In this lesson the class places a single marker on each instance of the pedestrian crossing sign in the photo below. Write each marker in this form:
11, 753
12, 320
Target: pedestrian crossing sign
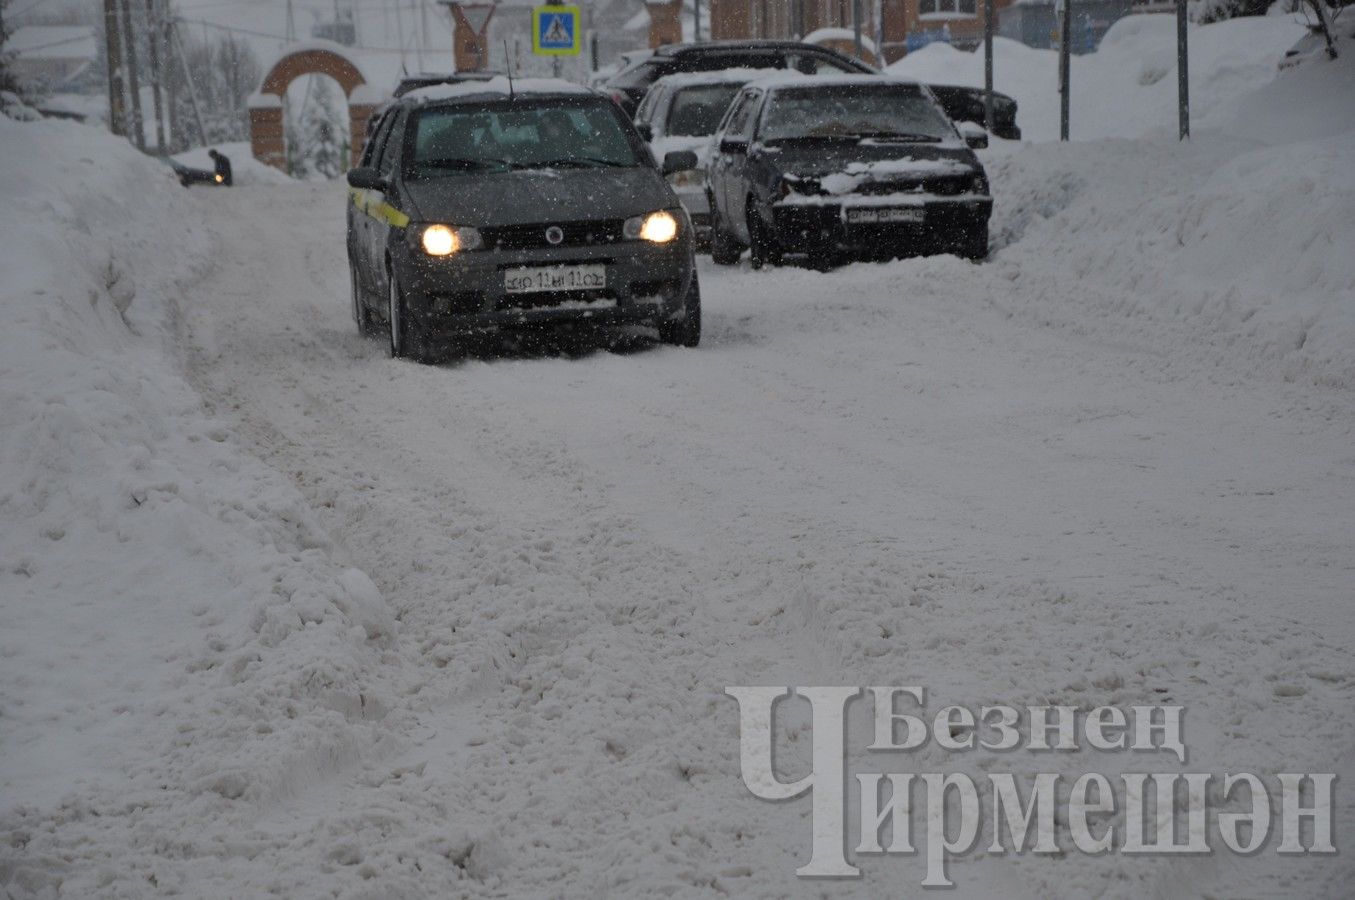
555, 31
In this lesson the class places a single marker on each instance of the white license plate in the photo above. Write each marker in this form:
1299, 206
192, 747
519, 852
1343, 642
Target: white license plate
885, 214
534, 279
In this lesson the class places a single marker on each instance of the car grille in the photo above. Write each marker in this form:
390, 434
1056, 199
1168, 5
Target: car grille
948, 186
533, 237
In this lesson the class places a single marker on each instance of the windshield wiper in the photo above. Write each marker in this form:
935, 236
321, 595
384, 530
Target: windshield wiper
464, 163
576, 161
908, 136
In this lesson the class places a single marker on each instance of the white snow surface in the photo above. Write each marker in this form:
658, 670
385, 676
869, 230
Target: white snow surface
281, 616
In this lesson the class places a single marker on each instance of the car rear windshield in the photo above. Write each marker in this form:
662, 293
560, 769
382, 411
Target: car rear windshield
642, 74
696, 111
849, 111
519, 134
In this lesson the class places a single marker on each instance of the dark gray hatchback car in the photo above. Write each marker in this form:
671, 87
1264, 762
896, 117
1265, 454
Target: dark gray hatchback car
488, 206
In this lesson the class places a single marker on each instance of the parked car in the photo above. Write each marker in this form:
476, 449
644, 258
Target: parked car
628, 86
966, 104
681, 112
488, 206
836, 166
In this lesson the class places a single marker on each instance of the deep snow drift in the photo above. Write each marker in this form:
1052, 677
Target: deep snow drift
279, 615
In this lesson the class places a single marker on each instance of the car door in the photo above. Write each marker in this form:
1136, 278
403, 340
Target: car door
359, 223
717, 169
734, 149
383, 215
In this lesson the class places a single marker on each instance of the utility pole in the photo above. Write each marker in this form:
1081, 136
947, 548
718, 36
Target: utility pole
133, 84
856, 30
696, 20
188, 80
1065, 66
153, 40
1182, 73
170, 82
291, 23
988, 65
117, 110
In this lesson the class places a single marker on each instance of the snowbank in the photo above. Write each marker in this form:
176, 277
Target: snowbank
1128, 87
174, 630
1242, 243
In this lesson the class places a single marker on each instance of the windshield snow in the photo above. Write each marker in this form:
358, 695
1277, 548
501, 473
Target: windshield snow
854, 110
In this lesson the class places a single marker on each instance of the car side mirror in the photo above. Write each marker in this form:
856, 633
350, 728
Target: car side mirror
733, 145
678, 161
367, 178
974, 135
646, 131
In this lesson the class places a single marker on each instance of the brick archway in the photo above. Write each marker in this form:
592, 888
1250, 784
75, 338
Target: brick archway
266, 132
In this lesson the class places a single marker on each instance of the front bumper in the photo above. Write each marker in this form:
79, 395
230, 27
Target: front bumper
465, 293
811, 224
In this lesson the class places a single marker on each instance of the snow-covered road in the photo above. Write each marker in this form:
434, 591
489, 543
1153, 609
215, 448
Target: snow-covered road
924, 473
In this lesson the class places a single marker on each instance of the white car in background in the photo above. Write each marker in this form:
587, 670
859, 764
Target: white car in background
681, 112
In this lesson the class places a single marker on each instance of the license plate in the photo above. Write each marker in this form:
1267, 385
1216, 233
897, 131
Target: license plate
534, 279
885, 215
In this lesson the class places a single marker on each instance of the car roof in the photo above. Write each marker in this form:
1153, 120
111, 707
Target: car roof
783, 79
715, 76
724, 46
498, 87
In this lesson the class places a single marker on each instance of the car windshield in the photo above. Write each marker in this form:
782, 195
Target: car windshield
519, 134
853, 111
696, 111
642, 74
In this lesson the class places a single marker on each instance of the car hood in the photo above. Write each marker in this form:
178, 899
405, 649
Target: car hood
544, 195
875, 157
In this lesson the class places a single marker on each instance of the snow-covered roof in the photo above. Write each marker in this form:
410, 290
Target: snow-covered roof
52, 42
496, 85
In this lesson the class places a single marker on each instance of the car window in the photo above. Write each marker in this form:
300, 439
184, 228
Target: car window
390, 148
378, 138
740, 124
520, 134
696, 111
642, 74
645, 111
714, 62
816, 64
847, 111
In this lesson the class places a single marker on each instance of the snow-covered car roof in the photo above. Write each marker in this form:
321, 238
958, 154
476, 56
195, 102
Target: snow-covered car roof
719, 76
499, 85
800, 79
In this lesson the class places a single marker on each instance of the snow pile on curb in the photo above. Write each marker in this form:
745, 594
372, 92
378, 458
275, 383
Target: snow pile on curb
1241, 243
1128, 87
175, 635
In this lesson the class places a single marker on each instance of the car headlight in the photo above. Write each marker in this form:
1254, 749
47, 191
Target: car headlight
444, 240
656, 227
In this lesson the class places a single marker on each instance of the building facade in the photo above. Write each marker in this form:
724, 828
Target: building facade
897, 26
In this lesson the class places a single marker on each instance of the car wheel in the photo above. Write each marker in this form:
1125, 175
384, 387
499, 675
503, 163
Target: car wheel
974, 243
403, 336
361, 314
685, 329
762, 248
724, 249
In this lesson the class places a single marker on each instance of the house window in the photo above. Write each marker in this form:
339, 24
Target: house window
947, 8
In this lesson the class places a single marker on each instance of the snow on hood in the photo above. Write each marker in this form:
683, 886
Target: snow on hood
859, 173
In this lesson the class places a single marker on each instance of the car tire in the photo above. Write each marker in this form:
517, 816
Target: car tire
762, 246
361, 314
403, 332
974, 243
685, 330
724, 249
